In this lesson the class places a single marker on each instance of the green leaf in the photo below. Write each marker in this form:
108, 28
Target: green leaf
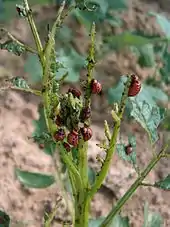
132, 140
146, 213
20, 83
149, 116
155, 220
151, 219
33, 67
114, 21
101, 12
146, 111
117, 5
122, 154
40, 124
165, 70
9, 8
151, 95
34, 180
95, 222
114, 94
148, 94
12, 47
73, 63
147, 56
118, 221
91, 175
101, 5
126, 39
65, 34
163, 22
4, 219
164, 184
40, 133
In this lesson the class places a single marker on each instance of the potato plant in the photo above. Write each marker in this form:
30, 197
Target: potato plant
64, 126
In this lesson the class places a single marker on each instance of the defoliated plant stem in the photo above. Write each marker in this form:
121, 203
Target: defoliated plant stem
33, 91
47, 51
34, 32
72, 168
50, 44
90, 65
82, 162
40, 54
28, 48
112, 145
132, 189
51, 216
81, 203
107, 161
82, 213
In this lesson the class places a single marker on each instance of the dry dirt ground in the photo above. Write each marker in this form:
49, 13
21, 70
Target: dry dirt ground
17, 112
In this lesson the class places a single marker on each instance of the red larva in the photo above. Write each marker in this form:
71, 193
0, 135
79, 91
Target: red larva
41, 145
59, 135
135, 86
75, 92
86, 113
59, 121
73, 138
18, 9
86, 133
128, 149
67, 146
96, 87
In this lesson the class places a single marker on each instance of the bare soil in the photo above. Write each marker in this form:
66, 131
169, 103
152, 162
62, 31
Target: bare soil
18, 110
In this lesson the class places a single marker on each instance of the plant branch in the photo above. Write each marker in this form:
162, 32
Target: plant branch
28, 48
83, 162
33, 91
133, 188
51, 43
72, 168
112, 145
107, 131
90, 65
34, 32
148, 185
50, 46
52, 215
166, 155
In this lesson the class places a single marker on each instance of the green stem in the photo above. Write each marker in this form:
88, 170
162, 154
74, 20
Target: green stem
33, 91
71, 167
83, 162
148, 185
28, 48
50, 45
81, 203
34, 32
51, 216
132, 189
112, 145
90, 66
73, 183
107, 161
82, 213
